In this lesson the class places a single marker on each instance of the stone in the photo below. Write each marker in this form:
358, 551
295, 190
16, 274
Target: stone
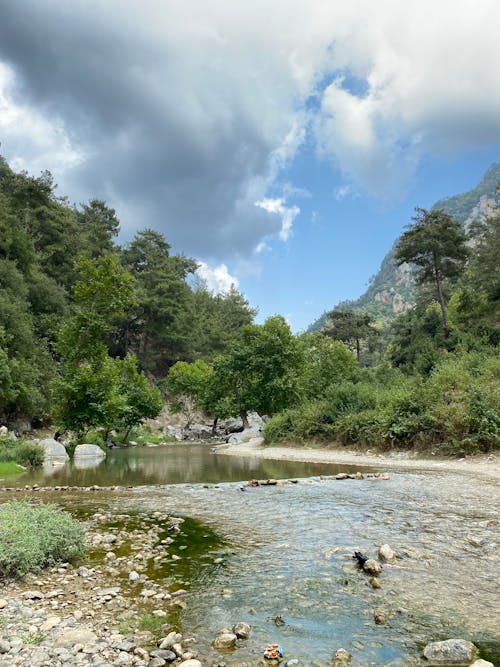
82, 636
372, 567
292, 663
225, 640
242, 630
3, 603
164, 654
482, 663
113, 591
89, 451
450, 652
341, 657
385, 553
168, 641
4, 431
157, 662
53, 449
134, 576
4, 646
342, 475
33, 595
379, 618
375, 582
190, 663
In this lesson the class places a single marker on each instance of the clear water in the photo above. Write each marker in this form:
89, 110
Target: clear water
286, 550
170, 464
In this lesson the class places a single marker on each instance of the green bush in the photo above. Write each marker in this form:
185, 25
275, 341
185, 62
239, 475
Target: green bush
36, 536
23, 452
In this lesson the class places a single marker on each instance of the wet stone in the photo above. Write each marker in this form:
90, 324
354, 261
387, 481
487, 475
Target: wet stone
450, 652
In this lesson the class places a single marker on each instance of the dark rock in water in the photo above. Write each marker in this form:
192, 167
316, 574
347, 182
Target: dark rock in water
450, 652
361, 558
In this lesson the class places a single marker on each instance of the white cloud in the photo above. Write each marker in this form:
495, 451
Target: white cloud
286, 213
217, 278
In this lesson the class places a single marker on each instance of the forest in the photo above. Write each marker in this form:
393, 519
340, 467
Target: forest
97, 335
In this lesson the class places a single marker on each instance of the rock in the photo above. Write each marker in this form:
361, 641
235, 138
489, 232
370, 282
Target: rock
134, 576
89, 451
242, 630
385, 553
342, 475
225, 640
113, 591
3, 603
168, 641
372, 567
157, 662
53, 449
4, 646
341, 657
72, 637
164, 654
450, 652
292, 663
33, 595
482, 663
375, 582
190, 663
83, 571
379, 618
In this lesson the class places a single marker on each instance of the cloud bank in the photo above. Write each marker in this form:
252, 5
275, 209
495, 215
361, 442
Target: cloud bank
185, 115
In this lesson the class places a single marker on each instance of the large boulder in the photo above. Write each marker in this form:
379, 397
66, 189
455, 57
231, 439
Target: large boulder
53, 449
89, 451
450, 652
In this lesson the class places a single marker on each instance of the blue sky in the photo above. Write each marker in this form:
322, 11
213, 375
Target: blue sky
282, 143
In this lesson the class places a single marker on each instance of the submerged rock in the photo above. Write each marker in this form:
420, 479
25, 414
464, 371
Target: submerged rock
242, 630
450, 652
225, 640
372, 567
385, 553
341, 657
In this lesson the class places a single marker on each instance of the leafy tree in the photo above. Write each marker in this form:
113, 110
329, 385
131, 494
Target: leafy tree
261, 372
96, 390
159, 329
328, 362
349, 327
218, 321
98, 226
188, 388
436, 245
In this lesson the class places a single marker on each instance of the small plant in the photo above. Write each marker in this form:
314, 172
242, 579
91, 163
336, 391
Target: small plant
34, 638
151, 623
36, 536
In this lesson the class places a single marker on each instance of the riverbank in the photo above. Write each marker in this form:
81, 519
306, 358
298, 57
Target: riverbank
484, 466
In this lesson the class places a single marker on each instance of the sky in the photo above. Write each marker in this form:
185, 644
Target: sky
282, 143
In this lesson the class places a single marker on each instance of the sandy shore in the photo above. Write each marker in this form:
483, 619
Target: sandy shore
487, 466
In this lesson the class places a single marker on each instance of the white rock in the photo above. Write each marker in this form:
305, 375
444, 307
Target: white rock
450, 652
90, 451
190, 663
53, 449
385, 553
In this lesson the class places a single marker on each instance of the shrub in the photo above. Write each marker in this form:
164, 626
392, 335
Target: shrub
21, 451
35, 536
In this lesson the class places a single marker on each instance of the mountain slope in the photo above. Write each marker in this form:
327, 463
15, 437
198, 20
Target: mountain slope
391, 290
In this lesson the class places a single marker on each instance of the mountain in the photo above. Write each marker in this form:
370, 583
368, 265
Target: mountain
391, 290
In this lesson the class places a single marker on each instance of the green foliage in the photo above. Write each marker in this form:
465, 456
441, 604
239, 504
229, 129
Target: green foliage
328, 361
188, 388
24, 452
36, 536
350, 328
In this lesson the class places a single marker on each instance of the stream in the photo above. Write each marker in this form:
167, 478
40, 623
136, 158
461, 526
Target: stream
286, 551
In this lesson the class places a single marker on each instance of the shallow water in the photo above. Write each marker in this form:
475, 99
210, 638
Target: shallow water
169, 464
287, 550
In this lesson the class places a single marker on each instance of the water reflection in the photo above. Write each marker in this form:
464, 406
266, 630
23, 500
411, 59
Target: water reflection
171, 464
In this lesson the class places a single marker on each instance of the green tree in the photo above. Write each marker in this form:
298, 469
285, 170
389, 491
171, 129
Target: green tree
95, 389
188, 388
436, 245
98, 226
262, 371
328, 362
159, 329
349, 327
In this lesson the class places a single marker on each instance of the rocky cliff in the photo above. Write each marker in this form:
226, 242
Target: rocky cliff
391, 290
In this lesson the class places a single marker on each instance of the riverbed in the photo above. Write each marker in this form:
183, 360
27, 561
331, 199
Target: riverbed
286, 551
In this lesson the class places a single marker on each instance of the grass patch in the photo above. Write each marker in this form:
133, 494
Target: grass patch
36, 536
151, 623
10, 468
33, 638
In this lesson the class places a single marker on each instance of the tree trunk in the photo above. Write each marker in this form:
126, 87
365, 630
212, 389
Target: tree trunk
214, 425
244, 418
442, 303
357, 349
